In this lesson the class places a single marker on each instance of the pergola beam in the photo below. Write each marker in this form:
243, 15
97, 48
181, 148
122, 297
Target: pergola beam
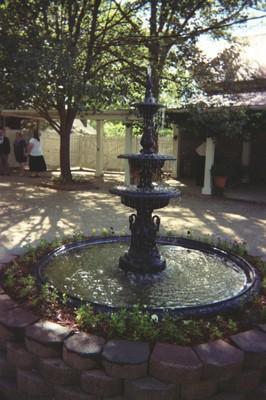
110, 115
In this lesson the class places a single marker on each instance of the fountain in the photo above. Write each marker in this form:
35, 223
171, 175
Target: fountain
143, 255
170, 275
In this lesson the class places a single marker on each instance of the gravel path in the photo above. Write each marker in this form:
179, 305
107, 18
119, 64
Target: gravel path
29, 213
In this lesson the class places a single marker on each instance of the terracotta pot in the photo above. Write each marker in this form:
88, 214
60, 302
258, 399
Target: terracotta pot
220, 181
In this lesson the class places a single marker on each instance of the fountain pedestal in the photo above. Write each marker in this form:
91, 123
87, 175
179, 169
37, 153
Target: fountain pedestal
143, 255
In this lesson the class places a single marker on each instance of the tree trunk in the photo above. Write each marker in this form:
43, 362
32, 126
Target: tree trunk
65, 131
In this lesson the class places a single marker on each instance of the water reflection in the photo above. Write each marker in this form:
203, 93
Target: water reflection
192, 277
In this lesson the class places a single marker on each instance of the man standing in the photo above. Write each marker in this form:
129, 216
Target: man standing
4, 152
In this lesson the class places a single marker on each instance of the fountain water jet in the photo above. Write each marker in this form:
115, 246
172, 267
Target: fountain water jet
168, 275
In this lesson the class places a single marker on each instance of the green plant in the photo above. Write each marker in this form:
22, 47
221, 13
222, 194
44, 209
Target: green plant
49, 294
64, 298
87, 319
172, 331
118, 323
141, 325
84, 316
31, 252
232, 325
105, 232
42, 245
78, 236
27, 286
216, 333
10, 277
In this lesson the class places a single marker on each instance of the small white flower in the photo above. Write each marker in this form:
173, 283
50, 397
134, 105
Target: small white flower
154, 318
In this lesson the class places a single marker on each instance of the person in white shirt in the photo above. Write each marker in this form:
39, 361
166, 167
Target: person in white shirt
36, 160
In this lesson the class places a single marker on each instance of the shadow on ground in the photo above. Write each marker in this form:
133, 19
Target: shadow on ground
30, 212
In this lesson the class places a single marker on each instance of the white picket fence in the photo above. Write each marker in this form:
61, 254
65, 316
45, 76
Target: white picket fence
83, 150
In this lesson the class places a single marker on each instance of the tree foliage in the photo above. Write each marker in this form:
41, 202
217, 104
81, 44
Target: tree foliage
170, 29
66, 56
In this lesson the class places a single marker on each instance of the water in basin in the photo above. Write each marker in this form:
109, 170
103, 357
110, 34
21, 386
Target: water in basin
192, 277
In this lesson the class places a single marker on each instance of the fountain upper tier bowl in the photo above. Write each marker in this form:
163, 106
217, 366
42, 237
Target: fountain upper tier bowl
151, 197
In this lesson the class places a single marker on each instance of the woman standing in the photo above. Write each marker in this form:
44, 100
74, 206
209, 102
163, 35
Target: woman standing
4, 152
20, 149
36, 160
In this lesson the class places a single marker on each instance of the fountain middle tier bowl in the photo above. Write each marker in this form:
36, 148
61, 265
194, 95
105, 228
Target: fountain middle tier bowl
153, 157
199, 279
150, 198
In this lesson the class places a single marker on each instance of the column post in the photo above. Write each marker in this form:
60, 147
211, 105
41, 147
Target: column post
176, 152
135, 144
99, 148
209, 159
128, 150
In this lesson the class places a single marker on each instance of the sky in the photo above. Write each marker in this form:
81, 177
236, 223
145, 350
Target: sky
256, 26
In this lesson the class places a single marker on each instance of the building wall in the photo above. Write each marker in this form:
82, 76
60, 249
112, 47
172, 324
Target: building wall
227, 150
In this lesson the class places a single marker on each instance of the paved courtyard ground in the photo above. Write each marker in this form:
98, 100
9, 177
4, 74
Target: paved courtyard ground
29, 212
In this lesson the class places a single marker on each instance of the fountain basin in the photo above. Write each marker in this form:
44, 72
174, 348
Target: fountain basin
199, 279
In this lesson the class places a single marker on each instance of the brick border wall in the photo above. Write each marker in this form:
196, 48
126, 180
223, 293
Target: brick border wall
44, 360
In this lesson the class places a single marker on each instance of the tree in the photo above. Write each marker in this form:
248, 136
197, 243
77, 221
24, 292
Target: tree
170, 29
58, 59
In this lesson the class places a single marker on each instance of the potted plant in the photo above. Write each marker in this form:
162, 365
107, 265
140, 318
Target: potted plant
219, 172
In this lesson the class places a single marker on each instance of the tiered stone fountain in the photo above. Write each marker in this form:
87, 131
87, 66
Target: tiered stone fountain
143, 255
168, 275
